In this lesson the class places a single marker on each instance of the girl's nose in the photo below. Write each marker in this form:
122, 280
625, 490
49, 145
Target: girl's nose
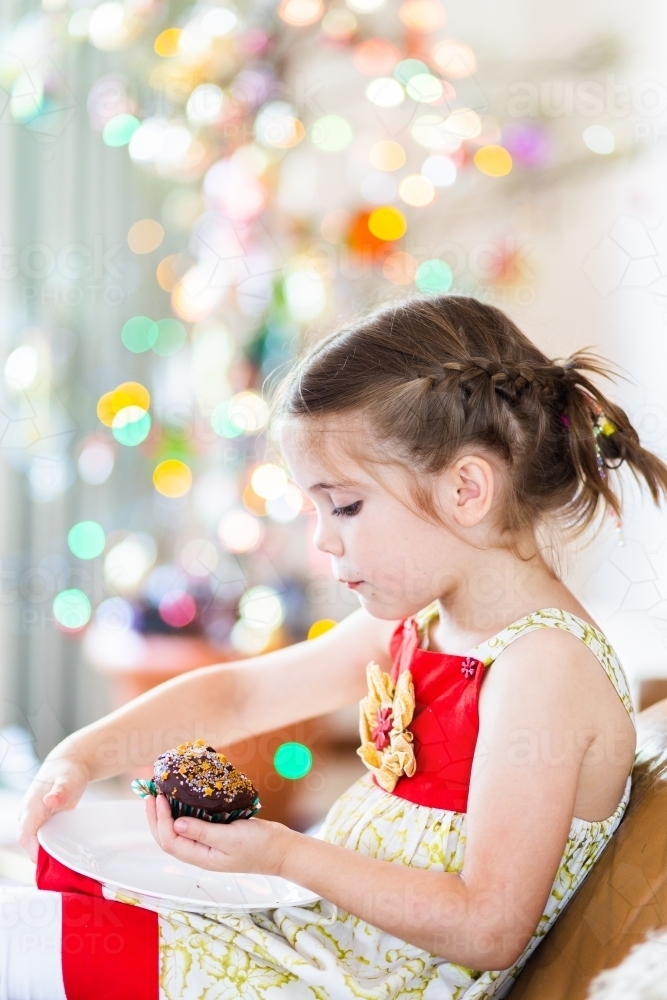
327, 539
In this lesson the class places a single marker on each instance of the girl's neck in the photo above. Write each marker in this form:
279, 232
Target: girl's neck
496, 588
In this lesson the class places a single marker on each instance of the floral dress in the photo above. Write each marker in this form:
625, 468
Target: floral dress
418, 751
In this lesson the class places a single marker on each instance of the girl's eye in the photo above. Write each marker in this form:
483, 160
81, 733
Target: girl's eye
348, 511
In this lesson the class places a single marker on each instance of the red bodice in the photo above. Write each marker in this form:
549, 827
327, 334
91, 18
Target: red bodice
445, 722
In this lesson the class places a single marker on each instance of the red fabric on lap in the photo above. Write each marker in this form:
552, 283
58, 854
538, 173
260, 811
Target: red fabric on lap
51, 874
110, 950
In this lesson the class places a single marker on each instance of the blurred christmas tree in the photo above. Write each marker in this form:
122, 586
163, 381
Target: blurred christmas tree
303, 162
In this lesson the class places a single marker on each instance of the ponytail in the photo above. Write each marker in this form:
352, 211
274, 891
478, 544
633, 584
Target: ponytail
601, 438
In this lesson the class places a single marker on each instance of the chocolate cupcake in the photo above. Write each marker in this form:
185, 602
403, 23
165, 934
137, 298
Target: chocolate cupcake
198, 781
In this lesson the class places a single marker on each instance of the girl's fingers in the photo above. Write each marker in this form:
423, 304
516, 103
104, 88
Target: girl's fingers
165, 828
164, 822
37, 808
191, 851
210, 834
27, 835
57, 785
213, 846
55, 795
158, 815
194, 854
149, 804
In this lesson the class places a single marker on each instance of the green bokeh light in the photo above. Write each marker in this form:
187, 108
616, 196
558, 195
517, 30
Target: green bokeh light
434, 276
27, 101
224, 423
424, 87
331, 133
170, 337
407, 68
131, 426
139, 334
71, 608
119, 130
43, 123
86, 540
293, 761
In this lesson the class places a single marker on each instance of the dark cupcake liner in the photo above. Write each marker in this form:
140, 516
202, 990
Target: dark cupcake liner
143, 788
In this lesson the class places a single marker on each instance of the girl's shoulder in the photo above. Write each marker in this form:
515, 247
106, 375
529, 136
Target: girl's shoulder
561, 621
415, 630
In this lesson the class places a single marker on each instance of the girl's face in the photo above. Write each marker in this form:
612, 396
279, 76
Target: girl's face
395, 560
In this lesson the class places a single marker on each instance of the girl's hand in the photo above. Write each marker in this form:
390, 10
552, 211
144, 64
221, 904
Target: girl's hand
59, 784
250, 845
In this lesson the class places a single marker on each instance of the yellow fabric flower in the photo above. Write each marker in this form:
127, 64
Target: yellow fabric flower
384, 715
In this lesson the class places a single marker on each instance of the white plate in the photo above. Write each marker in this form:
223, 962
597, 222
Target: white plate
112, 843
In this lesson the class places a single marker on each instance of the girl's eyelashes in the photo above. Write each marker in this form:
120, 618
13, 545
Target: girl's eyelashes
349, 511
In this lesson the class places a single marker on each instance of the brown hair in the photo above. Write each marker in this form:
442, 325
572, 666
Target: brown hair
438, 374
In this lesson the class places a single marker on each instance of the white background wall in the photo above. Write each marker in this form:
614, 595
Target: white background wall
600, 265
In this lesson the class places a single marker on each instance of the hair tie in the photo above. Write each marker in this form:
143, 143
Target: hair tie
601, 425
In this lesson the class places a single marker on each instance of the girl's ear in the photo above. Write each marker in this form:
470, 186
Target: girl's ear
472, 483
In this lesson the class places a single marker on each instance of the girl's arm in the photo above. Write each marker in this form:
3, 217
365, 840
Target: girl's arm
220, 704
519, 813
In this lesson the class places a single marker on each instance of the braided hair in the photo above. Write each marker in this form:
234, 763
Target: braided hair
436, 375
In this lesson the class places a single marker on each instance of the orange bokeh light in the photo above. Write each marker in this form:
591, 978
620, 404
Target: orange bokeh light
400, 268
362, 241
422, 16
145, 236
376, 57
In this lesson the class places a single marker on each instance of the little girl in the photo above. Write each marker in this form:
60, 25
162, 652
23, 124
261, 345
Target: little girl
441, 449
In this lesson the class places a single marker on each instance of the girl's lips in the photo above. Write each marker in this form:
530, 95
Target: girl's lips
352, 584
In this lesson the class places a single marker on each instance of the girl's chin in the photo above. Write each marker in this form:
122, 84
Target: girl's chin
388, 609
